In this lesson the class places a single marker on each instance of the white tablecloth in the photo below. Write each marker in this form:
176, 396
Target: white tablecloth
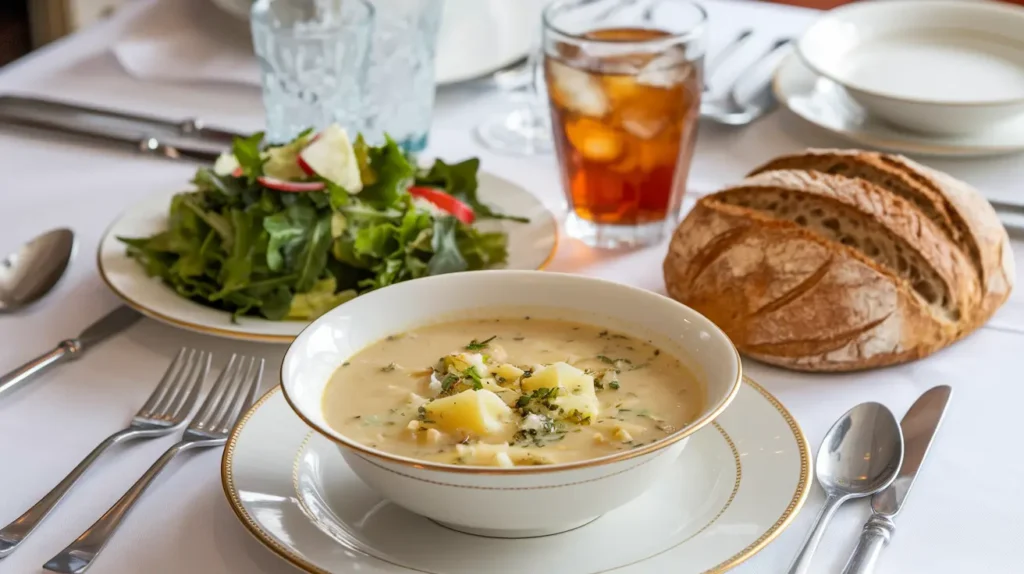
965, 512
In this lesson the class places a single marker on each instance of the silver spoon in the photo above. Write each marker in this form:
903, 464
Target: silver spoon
33, 270
861, 455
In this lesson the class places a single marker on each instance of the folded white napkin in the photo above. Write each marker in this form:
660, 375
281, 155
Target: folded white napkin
188, 40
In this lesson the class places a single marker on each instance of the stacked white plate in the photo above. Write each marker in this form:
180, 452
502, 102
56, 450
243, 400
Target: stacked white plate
477, 37
932, 77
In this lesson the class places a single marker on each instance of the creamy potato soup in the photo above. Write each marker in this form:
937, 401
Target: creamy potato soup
510, 392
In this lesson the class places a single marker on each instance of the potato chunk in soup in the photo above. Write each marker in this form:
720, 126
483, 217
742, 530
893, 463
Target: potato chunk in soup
510, 392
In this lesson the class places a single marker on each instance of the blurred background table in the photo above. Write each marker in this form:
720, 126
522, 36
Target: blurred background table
184, 525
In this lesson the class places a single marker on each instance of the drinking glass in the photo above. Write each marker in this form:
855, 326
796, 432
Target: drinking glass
624, 79
526, 130
399, 94
313, 58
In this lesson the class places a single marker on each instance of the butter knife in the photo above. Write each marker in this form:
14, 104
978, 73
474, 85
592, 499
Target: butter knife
112, 323
919, 426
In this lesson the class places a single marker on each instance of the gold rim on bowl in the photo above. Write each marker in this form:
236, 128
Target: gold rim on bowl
548, 468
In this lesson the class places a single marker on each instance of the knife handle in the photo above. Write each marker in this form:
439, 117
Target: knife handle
66, 350
878, 530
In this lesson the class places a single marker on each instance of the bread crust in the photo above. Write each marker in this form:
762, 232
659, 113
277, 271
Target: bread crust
790, 295
959, 210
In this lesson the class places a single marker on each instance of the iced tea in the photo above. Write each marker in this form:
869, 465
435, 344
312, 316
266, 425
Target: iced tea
625, 125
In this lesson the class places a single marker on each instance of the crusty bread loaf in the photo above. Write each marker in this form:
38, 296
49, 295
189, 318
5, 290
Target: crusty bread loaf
842, 260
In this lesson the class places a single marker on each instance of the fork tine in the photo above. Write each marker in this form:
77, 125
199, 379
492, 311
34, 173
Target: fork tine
161, 389
180, 381
186, 398
231, 392
216, 392
243, 396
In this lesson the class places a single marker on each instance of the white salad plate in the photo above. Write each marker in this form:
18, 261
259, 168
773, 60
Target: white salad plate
932, 66
530, 246
477, 37
734, 489
828, 105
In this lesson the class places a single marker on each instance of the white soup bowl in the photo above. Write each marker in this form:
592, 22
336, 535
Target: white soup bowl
521, 501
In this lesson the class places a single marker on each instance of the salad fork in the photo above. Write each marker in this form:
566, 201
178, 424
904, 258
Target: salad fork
167, 408
231, 395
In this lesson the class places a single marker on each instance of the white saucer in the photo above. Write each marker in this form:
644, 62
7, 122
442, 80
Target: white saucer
736, 487
530, 246
825, 104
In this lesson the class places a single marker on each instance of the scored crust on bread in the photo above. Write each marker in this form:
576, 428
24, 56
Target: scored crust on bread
813, 268
956, 208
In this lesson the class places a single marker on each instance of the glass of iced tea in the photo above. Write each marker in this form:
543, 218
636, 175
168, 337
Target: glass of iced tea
624, 78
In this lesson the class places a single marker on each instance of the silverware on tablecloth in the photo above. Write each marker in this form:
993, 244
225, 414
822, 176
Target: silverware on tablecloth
714, 63
59, 113
110, 324
230, 396
750, 96
919, 426
861, 455
34, 269
167, 408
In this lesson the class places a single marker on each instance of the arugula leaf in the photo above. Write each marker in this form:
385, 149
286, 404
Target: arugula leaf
247, 152
390, 174
447, 258
459, 180
313, 259
287, 230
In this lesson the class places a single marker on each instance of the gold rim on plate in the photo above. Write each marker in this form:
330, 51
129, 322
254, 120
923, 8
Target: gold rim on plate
795, 503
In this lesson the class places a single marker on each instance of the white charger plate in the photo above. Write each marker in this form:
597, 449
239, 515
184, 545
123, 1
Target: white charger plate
477, 37
530, 246
736, 487
825, 104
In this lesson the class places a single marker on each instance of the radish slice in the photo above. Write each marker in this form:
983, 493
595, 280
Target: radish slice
302, 163
290, 186
330, 155
460, 210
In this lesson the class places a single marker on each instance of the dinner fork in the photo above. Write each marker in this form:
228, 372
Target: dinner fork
230, 396
167, 408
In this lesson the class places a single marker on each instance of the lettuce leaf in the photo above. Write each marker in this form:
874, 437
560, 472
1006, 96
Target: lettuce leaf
235, 245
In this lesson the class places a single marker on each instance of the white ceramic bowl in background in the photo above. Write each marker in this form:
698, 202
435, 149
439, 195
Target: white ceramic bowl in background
932, 66
522, 501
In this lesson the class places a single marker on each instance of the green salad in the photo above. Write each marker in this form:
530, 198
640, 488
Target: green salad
291, 231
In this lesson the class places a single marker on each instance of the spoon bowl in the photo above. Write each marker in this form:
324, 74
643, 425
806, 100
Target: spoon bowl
861, 463
34, 269
861, 455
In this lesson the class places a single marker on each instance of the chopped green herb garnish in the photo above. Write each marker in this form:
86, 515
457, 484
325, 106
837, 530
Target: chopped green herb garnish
613, 362
614, 385
448, 381
345, 364
518, 338
475, 345
390, 367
